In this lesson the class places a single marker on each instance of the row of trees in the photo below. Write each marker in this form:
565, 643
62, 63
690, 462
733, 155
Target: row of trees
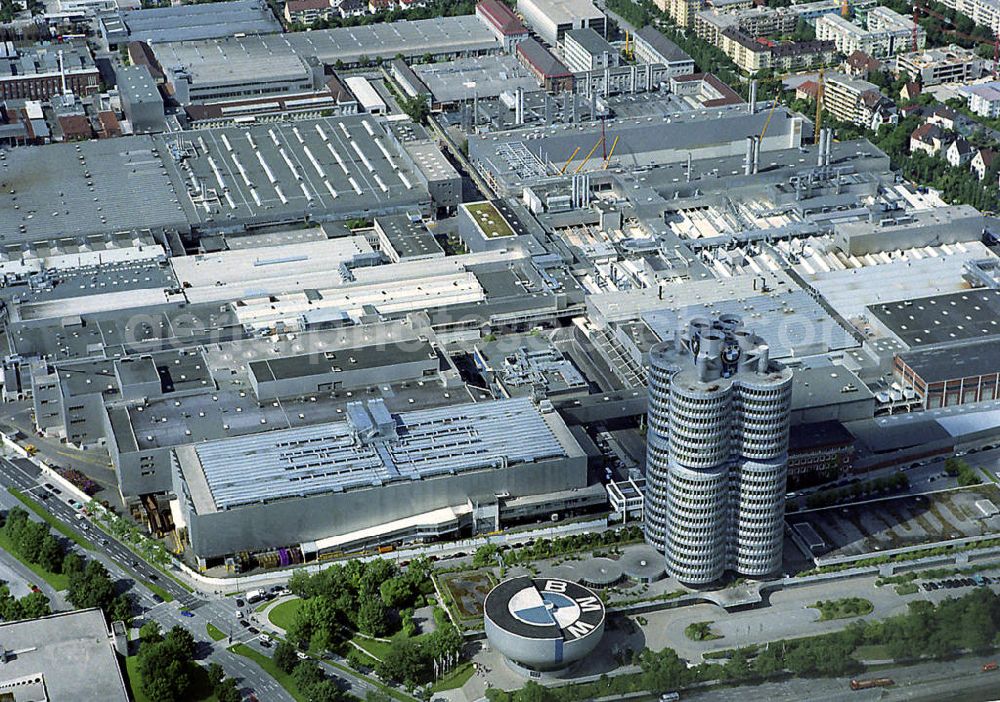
307, 674
434, 8
167, 669
32, 541
410, 662
888, 483
356, 596
966, 474
540, 549
90, 584
31, 606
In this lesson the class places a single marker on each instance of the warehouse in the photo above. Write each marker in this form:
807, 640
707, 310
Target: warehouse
141, 99
373, 469
950, 319
549, 72
452, 82
322, 169
277, 63
198, 21
62, 190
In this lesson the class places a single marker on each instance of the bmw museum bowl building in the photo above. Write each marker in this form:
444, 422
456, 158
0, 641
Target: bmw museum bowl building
543, 625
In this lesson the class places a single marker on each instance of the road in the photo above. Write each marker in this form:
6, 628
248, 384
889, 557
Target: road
960, 680
204, 609
123, 564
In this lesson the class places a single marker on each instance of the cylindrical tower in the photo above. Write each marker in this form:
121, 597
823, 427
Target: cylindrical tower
662, 366
762, 403
698, 485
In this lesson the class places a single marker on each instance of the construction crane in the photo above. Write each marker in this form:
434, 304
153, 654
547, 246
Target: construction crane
569, 161
628, 46
845, 9
610, 153
913, 31
589, 154
820, 87
770, 114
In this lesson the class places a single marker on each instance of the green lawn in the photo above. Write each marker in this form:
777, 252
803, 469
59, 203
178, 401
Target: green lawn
283, 614
214, 632
265, 662
200, 689
377, 649
455, 679
52, 521
56, 580
262, 606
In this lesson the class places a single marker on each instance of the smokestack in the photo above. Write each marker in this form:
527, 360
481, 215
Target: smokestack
821, 148
607, 81
519, 106
748, 159
756, 154
688, 173
649, 77
631, 78
829, 147
753, 96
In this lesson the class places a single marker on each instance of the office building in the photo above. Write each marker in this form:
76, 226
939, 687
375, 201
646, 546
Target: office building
717, 452
586, 50
551, 19
652, 47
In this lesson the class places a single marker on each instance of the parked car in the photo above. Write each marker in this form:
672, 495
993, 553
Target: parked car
157, 599
185, 613
240, 602
244, 623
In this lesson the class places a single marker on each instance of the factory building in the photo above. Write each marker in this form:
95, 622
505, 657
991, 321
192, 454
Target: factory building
551, 19
375, 475
717, 452
189, 22
41, 72
141, 99
501, 20
951, 375
549, 71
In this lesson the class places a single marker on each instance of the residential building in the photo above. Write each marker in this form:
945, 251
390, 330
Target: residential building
309, 11
717, 452
752, 55
551, 19
984, 12
984, 99
682, 12
859, 64
652, 47
858, 101
929, 138
501, 20
942, 116
586, 50
849, 37
981, 162
959, 153
948, 64
898, 28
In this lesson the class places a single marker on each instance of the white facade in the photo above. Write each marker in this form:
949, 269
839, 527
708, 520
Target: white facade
984, 99
717, 454
551, 19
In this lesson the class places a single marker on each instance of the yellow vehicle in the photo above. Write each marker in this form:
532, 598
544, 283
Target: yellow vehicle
30, 449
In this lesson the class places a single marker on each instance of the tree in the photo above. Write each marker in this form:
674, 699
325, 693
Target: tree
91, 587
215, 674
227, 691
120, 609
150, 633
285, 656
307, 673
72, 563
165, 676
403, 663
373, 617
180, 641
34, 605
396, 592
50, 554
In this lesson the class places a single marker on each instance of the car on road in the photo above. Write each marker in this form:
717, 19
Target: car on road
34, 588
56, 491
49, 486
240, 602
104, 542
157, 599
154, 576
186, 613
244, 623
265, 643
253, 630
